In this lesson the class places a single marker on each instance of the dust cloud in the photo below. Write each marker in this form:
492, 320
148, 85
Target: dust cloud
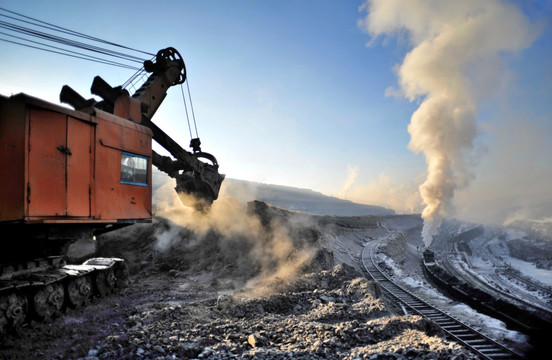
257, 251
455, 62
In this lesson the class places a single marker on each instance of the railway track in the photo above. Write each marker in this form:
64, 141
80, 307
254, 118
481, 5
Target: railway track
455, 329
526, 301
507, 270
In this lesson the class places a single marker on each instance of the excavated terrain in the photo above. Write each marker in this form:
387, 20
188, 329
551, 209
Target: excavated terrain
237, 283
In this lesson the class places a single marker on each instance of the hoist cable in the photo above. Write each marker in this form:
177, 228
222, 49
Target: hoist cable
134, 78
69, 52
48, 36
191, 106
54, 38
72, 32
186, 108
107, 62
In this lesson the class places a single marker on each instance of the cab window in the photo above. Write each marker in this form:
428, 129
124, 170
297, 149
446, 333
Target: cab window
134, 169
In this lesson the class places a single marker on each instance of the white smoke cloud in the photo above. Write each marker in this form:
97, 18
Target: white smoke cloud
349, 182
513, 179
455, 61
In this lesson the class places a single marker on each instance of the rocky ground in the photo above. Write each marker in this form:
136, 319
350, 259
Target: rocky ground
239, 282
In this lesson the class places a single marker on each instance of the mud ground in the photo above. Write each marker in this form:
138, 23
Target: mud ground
216, 295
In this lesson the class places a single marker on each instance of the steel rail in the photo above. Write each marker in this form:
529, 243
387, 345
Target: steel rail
508, 270
444, 259
453, 328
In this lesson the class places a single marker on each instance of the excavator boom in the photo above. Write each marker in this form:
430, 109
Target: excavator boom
197, 182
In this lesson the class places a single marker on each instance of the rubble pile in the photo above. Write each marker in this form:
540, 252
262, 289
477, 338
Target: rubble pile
333, 314
209, 297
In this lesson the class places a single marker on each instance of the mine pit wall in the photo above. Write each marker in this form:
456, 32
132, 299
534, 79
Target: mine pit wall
395, 247
347, 236
468, 235
515, 318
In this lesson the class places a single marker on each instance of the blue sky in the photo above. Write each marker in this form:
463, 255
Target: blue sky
285, 92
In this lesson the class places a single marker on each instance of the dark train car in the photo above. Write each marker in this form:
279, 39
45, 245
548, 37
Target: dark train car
513, 316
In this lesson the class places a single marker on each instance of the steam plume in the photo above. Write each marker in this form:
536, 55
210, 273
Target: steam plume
351, 178
454, 62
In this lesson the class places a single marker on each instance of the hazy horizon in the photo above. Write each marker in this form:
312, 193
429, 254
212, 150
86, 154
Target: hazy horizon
336, 97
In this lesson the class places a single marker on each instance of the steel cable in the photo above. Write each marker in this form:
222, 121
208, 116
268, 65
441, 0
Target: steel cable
191, 106
14, 29
47, 35
68, 31
85, 57
63, 51
186, 109
64, 41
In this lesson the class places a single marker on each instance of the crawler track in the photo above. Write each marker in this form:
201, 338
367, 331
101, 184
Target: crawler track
455, 330
42, 289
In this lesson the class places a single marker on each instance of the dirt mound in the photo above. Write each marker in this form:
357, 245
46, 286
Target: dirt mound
276, 243
395, 247
266, 288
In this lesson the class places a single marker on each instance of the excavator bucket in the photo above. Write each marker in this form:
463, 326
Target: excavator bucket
197, 183
199, 189
193, 192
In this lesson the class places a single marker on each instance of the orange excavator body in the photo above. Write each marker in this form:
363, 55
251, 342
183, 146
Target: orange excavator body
70, 174
65, 166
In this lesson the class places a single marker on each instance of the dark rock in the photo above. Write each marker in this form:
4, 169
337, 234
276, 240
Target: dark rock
189, 350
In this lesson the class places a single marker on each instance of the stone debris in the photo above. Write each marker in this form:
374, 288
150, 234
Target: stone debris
333, 314
187, 304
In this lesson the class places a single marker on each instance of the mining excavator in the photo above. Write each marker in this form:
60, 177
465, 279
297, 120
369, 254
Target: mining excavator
69, 174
